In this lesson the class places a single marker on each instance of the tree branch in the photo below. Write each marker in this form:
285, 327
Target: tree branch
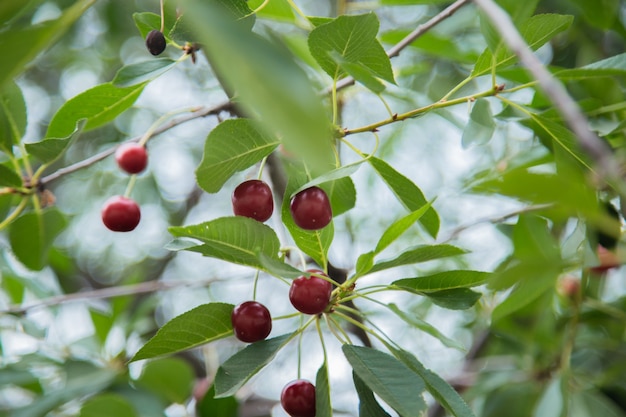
591, 144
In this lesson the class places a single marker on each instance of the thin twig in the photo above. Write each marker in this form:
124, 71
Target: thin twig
591, 144
406, 41
112, 292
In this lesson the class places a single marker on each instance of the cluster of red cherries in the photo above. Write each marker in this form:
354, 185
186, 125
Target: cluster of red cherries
309, 294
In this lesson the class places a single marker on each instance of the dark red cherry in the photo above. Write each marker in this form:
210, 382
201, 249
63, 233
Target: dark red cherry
253, 198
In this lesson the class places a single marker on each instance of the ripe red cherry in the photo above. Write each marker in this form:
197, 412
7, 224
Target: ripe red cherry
155, 42
251, 321
121, 214
310, 209
253, 198
310, 295
298, 398
131, 157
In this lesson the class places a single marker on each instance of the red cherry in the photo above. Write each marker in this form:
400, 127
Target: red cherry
121, 214
310, 209
253, 198
298, 398
310, 295
131, 157
251, 321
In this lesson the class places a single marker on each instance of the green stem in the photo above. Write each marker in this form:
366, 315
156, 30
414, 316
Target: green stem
256, 281
18, 210
130, 186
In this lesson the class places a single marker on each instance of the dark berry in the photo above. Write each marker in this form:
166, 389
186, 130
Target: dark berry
253, 198
251, 321
131, 157
310, 295
155, 42
121, 214
310, 209
298, 398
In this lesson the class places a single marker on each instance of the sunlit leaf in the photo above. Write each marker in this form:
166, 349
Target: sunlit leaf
201, 325
481, 125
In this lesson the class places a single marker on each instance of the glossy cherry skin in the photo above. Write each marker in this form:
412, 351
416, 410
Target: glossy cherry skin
311, 209
310, 295
131, 157
298, 398
155, 42
251, 321
121, 214
253, 198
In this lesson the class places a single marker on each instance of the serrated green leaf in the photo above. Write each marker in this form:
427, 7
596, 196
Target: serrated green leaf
407, 193
425, 327
323, 407
107, 405
243, 365
234, 239
32, 234
232, 146
13, 117
436, 386
201, 325
140, 72
400, 226
538, 30
169, 378
443, 281
51, 149
368, 406
419, 254
454, 299
9, 178
33, 39
354, 39
394, 383
481, 125
99, 105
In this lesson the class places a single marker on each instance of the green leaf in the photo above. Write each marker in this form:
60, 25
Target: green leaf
50, 149
9, 178
141, 72
443, 281
425, 327
32, 234
434, 44
341, 193
232, 146
10, 10
279, 10
147, 21
12, 117
335, 174
278, 267
418, 254
613, 66
201, 325
360, 73
407, 193
538, 30
436, 386
368, 406
354, 39
410, 2
394, 383
169, 378
526, 291
107, 405
209, 406
34, 39
268, 83
400, 226
99, 105
243, 365
364, 263
481, 125
455, 298
234, 239
323, 407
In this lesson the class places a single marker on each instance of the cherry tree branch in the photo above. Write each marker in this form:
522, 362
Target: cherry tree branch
591, 144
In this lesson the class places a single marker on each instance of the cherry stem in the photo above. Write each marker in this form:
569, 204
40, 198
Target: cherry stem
130, 186
256, 281
14, 214
332, 324
162, 17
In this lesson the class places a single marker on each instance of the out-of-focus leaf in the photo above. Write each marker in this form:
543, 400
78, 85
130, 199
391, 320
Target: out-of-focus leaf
443, 281
99, 105
201, 325
51, 149
170, 378
9, 178
279, 10
323, 407
433, 44
368, 406
335, 174
400, 226
527, 290
410, 2
209, 406
419, 254
32, 234
407, 192
243, 365
613, 66
481, 125
455, 298
234, 239
394, 383
107, 405
360, 73
12, 116
232, 146
140, 72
